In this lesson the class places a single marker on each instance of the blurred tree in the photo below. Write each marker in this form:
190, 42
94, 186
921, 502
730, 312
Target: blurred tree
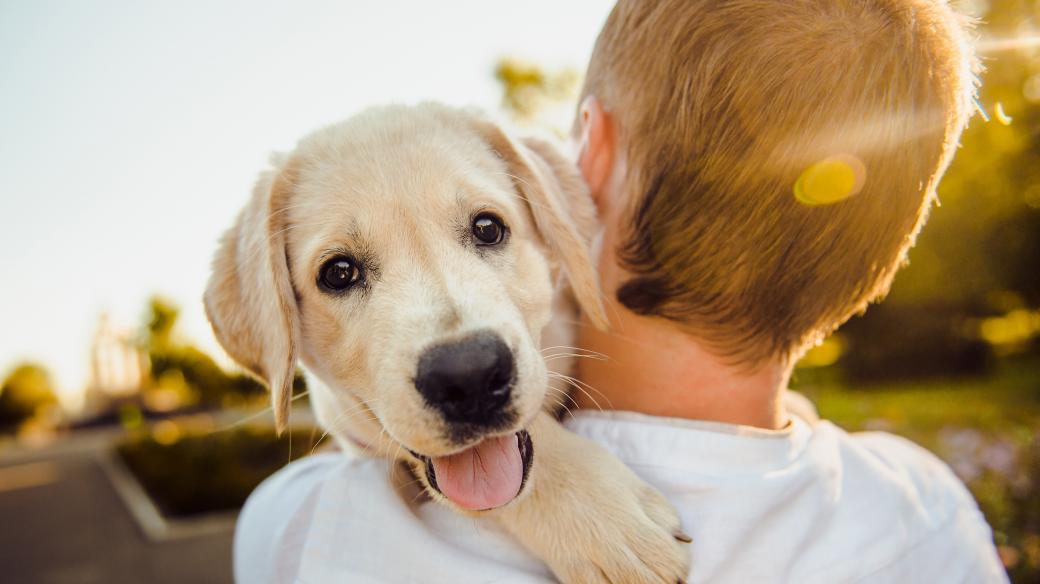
184, 369
984, 237
532, 95
25, 391
162, 316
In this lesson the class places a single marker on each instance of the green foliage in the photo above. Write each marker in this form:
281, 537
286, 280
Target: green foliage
896, 341
528, 90
162, 317
25, 391
979, 254
210, 471
189, 368
211, 385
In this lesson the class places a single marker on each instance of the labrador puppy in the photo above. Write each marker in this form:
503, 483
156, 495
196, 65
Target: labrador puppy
418, 261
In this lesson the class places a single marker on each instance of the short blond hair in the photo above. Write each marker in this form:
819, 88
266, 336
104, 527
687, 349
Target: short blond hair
722, 105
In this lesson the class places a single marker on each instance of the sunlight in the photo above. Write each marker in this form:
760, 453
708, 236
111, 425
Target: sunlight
1001, 116
1008, 44
830, 180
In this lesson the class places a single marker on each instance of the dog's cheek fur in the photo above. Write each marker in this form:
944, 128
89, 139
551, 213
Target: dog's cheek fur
533, 291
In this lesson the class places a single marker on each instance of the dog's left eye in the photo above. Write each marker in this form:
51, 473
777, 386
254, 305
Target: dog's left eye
339, 273
488, 229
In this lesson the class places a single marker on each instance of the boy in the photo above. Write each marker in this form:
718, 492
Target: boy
760, 169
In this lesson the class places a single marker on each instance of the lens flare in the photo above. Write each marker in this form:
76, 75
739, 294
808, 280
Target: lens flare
830, 180
1001, 116
997, 45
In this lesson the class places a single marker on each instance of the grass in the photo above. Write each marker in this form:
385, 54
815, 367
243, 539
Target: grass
1003, 402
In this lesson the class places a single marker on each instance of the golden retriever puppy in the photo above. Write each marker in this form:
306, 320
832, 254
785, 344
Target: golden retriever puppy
417, 261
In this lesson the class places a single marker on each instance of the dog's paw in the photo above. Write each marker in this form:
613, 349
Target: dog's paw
592, 520
638, 540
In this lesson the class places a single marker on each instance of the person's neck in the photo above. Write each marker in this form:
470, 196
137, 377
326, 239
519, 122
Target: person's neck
652, 368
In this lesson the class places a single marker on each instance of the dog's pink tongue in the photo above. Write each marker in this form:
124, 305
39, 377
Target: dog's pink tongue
483, 477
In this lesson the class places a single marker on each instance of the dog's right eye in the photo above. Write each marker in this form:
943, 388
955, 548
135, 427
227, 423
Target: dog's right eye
339, 273
488, 230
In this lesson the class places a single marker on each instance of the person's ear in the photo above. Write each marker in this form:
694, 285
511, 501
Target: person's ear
596, 155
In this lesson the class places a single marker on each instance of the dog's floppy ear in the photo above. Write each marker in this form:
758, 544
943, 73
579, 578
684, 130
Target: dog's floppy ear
561, 206
249, 298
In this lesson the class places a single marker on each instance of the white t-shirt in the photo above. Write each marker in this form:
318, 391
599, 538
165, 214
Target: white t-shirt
810, 503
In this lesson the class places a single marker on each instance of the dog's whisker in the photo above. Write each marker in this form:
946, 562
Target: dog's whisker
357, 409
545, 207
286, 208
250, 417
422, 491
558, 356
565, 394
315, 447
580, 386
289, 427
576, 349
349, 413
559, 402
393, 460
567, 353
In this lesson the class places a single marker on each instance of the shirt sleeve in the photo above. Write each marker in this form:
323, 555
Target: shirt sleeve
959, 547
273, 524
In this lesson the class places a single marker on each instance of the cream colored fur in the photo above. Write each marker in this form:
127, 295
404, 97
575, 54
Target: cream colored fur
397, 186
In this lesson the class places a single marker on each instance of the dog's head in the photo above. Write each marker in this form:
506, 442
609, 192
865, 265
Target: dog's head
408, 257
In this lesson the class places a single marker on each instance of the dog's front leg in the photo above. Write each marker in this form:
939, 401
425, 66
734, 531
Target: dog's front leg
590, 518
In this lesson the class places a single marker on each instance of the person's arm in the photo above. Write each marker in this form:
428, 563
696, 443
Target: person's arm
272, 526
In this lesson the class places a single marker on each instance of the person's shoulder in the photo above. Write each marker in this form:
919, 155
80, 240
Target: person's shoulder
899, 461
274, 521
930, 520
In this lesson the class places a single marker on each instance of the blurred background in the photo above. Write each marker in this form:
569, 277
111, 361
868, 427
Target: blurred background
131, 134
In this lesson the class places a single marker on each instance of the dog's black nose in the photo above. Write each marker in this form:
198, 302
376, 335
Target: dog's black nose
469, 380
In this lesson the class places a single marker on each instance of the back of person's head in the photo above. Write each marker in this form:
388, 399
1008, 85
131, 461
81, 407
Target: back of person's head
782, 156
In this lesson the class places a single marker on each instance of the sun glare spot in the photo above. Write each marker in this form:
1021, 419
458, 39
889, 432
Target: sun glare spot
166, 432
830, 180
1001, 116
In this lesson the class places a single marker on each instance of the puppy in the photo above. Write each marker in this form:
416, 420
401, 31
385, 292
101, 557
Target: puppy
418, 261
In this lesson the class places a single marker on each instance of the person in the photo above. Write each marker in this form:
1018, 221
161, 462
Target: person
760, 169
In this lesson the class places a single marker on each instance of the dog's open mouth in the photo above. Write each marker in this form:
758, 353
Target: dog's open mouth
484, 476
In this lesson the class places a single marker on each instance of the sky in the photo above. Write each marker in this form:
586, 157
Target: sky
131, 133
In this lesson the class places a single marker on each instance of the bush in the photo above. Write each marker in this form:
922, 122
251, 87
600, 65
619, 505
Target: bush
212, 471
26, 390
895, 341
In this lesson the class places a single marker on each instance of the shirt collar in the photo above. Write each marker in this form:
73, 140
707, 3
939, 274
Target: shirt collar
692, 445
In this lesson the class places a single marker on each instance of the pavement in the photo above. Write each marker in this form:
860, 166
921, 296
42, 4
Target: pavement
61, 521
